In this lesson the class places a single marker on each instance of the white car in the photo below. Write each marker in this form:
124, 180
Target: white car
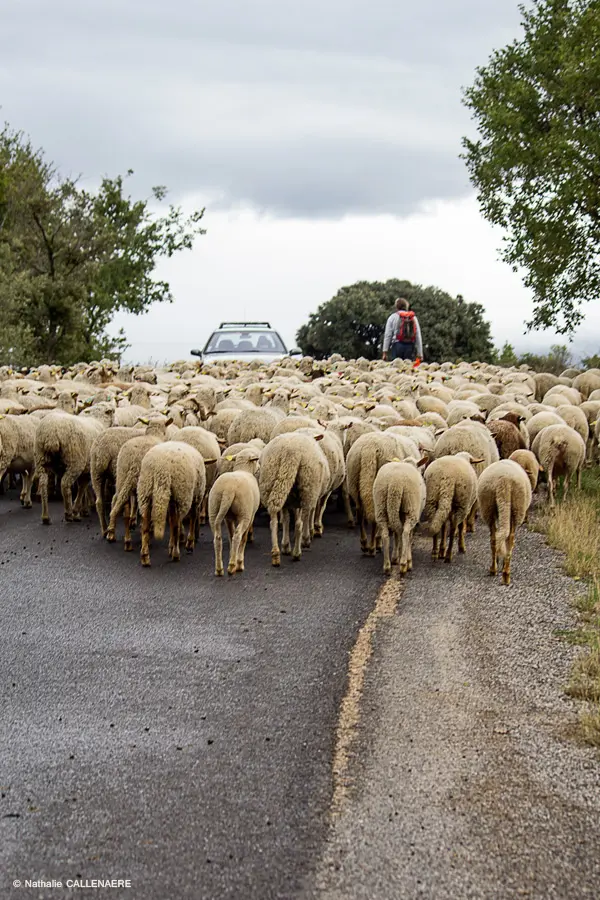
245, 341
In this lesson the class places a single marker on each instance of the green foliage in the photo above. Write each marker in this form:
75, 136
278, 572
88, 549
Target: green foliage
591, 362
352, 323
71, 258
507, 356
555, 362
536, 164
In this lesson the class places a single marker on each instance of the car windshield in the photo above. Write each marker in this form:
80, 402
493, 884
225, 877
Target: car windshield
245, 342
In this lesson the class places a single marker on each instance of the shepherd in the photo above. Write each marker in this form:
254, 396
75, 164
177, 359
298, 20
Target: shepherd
403, 334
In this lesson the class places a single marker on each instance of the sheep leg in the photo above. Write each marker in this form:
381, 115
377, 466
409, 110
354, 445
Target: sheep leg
471, 518
43, 489
566, 481
26, 491
451, 534
363, 531
462, 547
218, 545
395, 549
250, 535
234, 550
579, 473
494, 566
118, 505
347, 507
306, 529
175, 534
410, 539
145, 551
320, 514
191, 538
203, 510
127, 522
242, 550
372, 540
66, 488
275, 555
385, 540
286, 547
443, 531
551, 485
405, 551
298, 530
133, 506
100, 496
510, 543
434, 549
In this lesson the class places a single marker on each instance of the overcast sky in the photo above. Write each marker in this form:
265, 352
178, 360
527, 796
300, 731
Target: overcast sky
322, 136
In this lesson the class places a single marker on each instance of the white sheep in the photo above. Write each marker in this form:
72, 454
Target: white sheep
235, 498
398, 498
561, 452
172, 481
293, 475
504, 497
451, 485
17, 443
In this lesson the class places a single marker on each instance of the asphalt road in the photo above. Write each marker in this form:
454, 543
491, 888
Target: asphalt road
162, 725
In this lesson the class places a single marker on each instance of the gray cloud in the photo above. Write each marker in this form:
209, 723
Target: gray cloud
307, 109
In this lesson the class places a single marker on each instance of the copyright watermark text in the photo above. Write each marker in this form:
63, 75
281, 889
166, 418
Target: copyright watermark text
73, 883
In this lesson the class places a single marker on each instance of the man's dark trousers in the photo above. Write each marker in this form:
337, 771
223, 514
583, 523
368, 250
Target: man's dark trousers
403, 350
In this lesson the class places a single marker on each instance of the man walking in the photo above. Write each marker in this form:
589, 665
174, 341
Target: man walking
402, 334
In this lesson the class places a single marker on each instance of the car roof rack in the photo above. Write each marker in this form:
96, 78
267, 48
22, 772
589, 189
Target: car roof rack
244, 324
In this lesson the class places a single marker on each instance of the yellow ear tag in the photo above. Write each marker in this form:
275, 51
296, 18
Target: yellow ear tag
311, 408
395, 459
229, 458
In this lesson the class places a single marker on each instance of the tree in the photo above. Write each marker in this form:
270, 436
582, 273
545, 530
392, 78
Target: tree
507, 356
591, 362
352, 323
556, 361
536, 164
71, 258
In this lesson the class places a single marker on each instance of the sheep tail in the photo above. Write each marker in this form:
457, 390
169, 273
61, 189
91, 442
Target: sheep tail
280, 478
504, 509
394, 505
161, 496
366, 480
442, 513
216, 518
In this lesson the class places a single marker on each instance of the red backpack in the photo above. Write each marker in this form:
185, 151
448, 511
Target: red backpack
407, 330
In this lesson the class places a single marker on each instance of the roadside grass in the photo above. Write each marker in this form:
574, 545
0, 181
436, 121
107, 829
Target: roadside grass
574, 527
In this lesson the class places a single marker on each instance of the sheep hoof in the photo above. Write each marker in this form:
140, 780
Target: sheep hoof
189, 548
286, 549
175, 558
448, 559
145, 561
403, 569
296, 557
318, 533
371, 552
128, 546
231, 570
493, 570
505, 579
275, 560
219, 572
387, 570
46, 521
351, 523
110, 537
27, 504
239, 568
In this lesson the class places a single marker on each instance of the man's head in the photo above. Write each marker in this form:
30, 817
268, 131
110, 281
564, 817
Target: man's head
401, 303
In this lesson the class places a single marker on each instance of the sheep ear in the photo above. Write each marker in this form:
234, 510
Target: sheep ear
319, 437
542, 469
168, 422
221, 442
395, 459
369, 407
144, 421
439, 431
209, 462
423, 461
2, 415
474, 461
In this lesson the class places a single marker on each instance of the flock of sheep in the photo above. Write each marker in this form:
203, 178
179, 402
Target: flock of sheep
400, 445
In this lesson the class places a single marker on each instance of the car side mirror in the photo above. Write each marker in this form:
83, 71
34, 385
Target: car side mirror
295, 352
196, 352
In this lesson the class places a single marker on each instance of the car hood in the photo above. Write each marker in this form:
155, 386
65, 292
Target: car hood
242, 357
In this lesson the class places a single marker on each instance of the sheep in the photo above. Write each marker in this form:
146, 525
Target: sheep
17, 442
587, 382
331, 445
506, 434
504, 497
172, 481
540, 421
575, 417
227, 460
220, 422
234, 497
103, 465
398, 500
293, 475
63, 443
527, 460
366, 456
469, 437
129, 462
561, 452
207, 444
451, 492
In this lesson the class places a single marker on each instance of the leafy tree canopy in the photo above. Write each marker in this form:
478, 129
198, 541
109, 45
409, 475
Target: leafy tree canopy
352, 323
71, 258
536, 164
